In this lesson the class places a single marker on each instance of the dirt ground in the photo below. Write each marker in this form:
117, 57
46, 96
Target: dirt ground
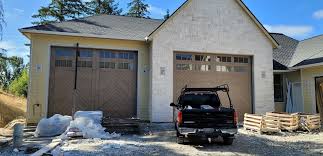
162, 141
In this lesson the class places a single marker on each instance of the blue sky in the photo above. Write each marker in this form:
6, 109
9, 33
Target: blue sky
297, 18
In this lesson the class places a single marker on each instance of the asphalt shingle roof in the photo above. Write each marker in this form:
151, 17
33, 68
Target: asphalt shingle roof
110, 26
309, 51
284, 54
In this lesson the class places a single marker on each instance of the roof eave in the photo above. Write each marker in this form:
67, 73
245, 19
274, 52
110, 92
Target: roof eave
27, 31
307, 66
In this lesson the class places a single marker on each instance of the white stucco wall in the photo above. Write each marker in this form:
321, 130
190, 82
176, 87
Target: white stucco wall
209, 26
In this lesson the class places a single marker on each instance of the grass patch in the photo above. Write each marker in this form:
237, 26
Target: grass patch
11, 107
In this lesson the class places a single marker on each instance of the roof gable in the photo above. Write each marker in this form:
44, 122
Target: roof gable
241, 4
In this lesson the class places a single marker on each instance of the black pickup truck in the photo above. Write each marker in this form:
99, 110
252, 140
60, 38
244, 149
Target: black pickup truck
202, 118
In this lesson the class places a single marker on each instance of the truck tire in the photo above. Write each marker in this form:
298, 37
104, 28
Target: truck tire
228, 141
180, 140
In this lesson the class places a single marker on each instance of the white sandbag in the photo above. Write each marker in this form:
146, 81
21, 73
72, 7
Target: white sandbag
52, 126
89, 128
96, 116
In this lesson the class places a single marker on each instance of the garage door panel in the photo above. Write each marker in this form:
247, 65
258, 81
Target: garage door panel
116, 93
63, 101
106, 81
188, 71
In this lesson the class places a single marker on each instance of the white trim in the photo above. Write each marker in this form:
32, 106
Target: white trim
306, 66
29, 83
139, 99
314, 92
45, 108
75, 34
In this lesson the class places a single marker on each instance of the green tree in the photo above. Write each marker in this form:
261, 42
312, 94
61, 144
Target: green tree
138, 8
96, 7
19, 86
17, 65
167, 15
60, 10
5, 74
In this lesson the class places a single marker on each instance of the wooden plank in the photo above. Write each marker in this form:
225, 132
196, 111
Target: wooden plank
251, 127
253, 116
253, 120
48, 147
252, 124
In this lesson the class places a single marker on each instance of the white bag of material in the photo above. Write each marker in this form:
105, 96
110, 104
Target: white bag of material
89, 128
96, 116
52, 126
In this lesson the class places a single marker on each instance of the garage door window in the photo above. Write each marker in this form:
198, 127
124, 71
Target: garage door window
63, 57
223, 59
224, 69
107, 54
203, 68
64, 52
241, 60
203, 58
187, 57
184, 66
84, 64
86, 54
63, 63
108, 65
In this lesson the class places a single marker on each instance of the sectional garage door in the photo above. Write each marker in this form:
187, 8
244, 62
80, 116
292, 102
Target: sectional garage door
206, 70
106, 80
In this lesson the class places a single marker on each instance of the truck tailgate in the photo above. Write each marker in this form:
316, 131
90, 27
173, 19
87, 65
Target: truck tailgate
208, 118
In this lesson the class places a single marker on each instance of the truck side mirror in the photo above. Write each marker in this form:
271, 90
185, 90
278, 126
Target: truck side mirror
172, 105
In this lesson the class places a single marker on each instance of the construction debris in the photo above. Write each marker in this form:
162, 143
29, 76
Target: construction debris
275, 122
96, 116
53, 126
7, 131
48, 148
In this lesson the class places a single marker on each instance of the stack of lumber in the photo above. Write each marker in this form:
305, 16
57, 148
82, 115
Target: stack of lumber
310, 122
261, 123
289, 122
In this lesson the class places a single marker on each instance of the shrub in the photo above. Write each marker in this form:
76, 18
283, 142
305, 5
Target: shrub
19, 86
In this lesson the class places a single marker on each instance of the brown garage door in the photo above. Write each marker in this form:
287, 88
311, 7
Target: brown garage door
206, 70
106, 81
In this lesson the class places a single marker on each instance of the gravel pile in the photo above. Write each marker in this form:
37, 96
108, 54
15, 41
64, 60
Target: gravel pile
159, 143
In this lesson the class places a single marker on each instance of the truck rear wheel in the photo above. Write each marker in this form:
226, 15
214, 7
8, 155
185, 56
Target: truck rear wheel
228, 141
180, 140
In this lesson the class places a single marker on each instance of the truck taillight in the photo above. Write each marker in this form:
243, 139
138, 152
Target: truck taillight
235, 118
180, 117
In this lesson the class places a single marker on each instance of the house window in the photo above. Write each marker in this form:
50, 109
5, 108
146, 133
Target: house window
278, 88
